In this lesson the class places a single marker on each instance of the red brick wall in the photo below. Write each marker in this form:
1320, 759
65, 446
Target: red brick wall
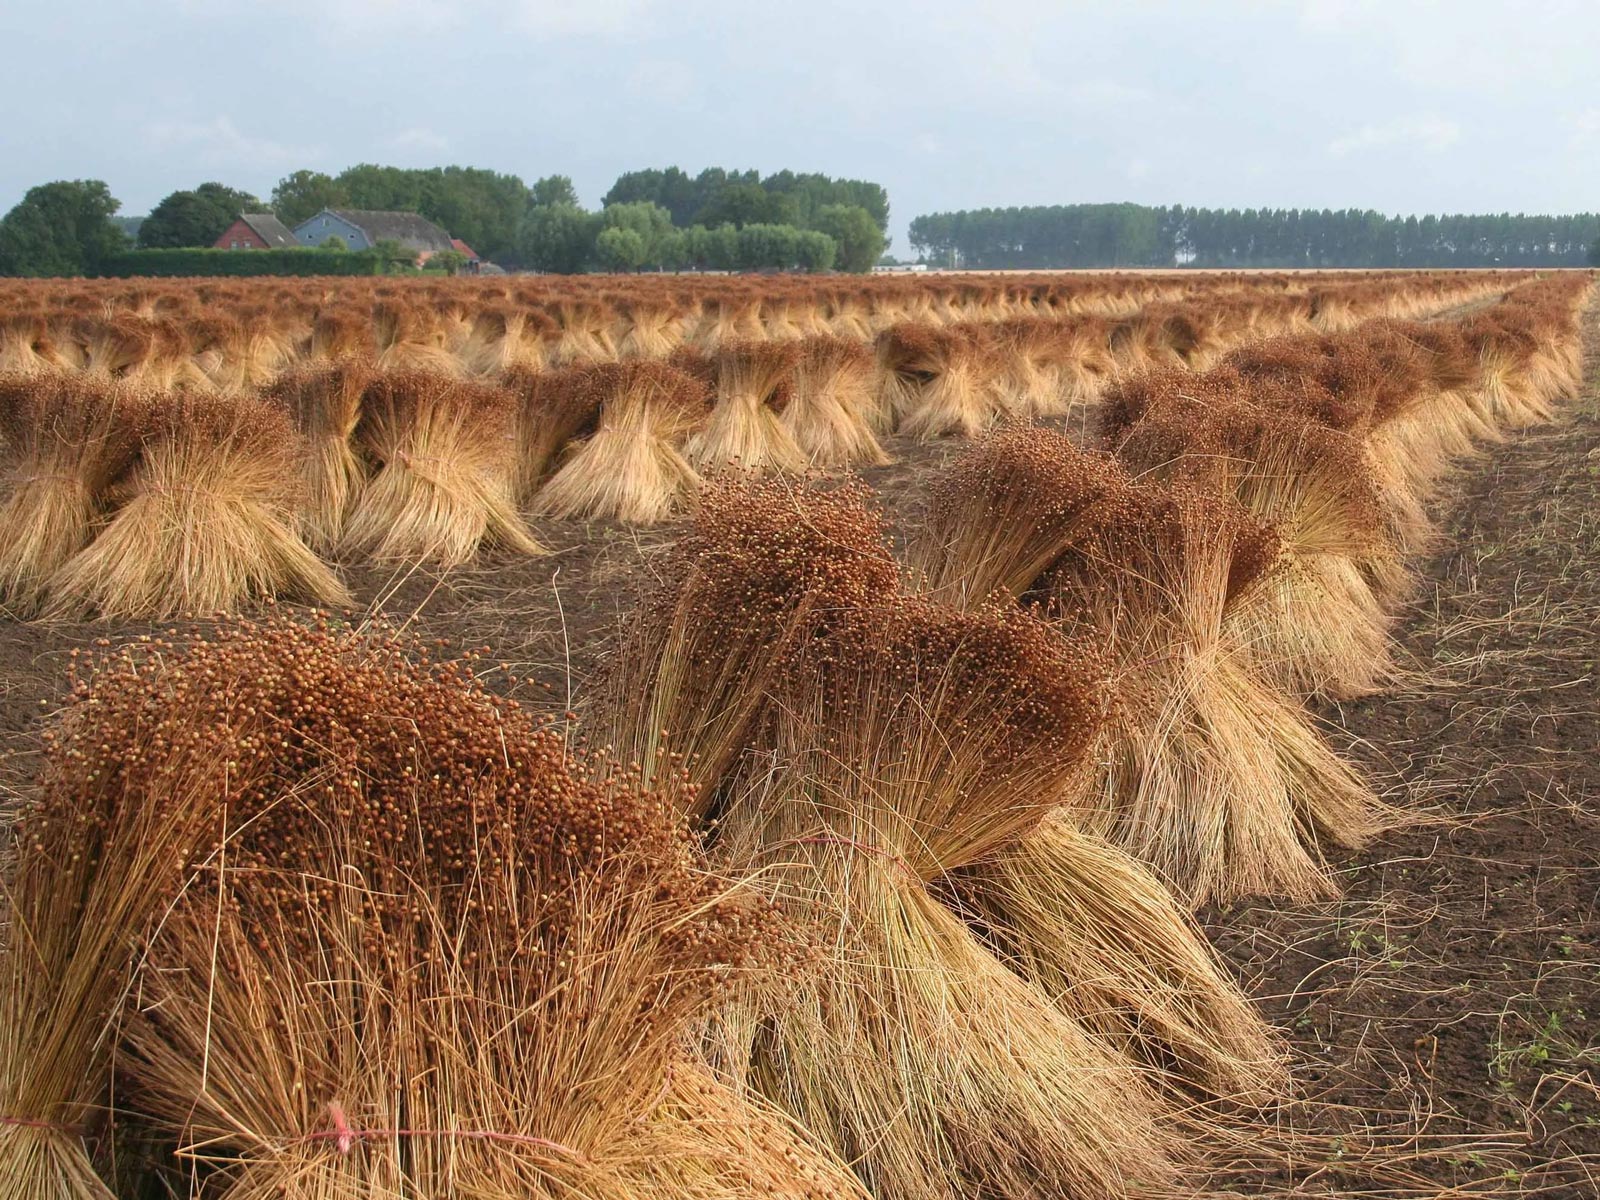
240, 233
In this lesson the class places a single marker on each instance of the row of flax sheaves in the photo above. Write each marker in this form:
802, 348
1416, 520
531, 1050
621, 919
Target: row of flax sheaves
238, 334
852, 876
128, 495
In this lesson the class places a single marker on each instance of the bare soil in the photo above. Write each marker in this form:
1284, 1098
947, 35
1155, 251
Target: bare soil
1450, 1005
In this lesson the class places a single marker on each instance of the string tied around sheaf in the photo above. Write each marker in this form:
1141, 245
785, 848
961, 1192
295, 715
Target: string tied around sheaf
345, 1137
888, 856
407, 459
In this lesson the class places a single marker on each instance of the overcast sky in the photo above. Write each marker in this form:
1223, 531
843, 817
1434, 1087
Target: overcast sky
1405, 106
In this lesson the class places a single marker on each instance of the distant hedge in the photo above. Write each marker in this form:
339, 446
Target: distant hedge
309, 261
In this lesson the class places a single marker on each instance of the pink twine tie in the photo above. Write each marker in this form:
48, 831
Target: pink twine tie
344, 1137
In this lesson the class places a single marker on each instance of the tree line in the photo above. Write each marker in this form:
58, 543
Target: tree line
654, 219
1135, 235
717, 197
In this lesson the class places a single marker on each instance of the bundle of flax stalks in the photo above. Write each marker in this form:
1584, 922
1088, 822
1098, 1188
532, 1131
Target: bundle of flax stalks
1209, 774
1079, 918
132, 783
483, 957
768, 592
762, 566
1099, 935
1206, 772
1320, 623
1006, 509
937, 382
444, 471
66, 440
632, 467
325, 401
556, 408
752, 381
207, 519
909, 740
831, 400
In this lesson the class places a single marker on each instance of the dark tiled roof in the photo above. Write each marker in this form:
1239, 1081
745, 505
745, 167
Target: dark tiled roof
411, 230
270, 230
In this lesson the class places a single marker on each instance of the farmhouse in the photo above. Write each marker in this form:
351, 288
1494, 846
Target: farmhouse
362, 229
256, 231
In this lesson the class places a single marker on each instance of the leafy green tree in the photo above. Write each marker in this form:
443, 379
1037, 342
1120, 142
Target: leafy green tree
793, 198
196, 217
807, 194
61, 228
742, 204
859, 240
620, 249
388, 189
815, 250
554, 189
448, 261
395, 256
1594, 253
1099, 235
335, 242
712, 249
674, 190
306, 193
634, 186
559, 238
783, 248
650, 221
483, 208
672, 250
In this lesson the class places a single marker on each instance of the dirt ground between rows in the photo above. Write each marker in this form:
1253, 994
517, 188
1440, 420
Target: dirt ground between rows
1445, 1016
1451, 1002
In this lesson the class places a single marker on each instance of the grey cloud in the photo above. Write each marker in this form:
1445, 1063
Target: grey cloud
1238, 102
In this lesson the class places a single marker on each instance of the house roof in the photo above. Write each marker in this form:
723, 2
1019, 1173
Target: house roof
462, 248
270, 230
411, 230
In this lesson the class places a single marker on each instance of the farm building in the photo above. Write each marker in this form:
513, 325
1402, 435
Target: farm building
362, 229
256, 231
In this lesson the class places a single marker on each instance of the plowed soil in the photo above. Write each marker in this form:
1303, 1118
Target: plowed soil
1451, 1003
